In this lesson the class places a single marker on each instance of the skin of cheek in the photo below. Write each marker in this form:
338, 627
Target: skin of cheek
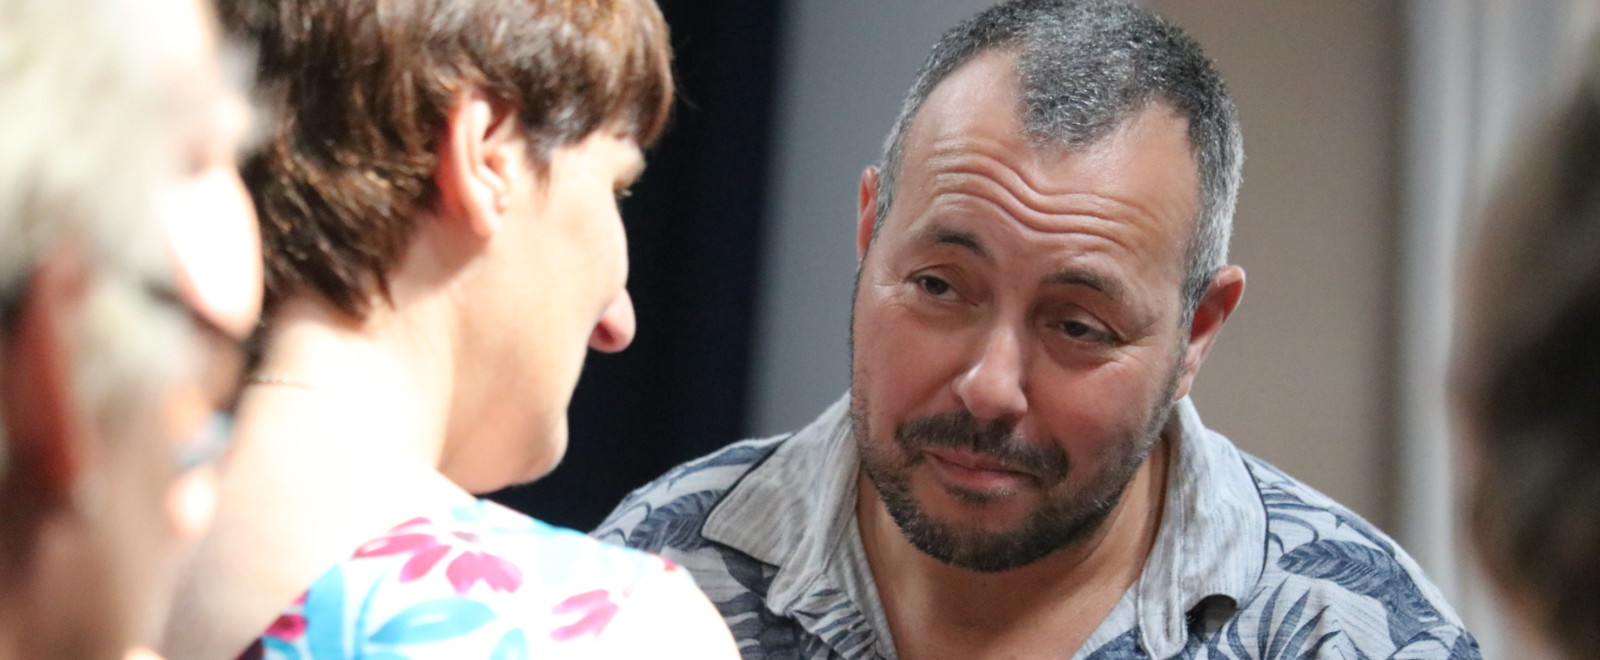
909, 362
578, 255
906, 366
1091, 411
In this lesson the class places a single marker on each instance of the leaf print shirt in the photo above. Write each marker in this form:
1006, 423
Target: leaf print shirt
1247, 561
475, 581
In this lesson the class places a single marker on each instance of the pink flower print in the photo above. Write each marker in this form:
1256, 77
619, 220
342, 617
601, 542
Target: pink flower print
422, 562
428, 550
291, 625
288, 627
425, 549
396, 544
472, 567
414, 522
595, 609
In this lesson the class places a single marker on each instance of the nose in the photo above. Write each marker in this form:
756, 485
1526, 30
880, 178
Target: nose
616, 327
993, 387
215, 246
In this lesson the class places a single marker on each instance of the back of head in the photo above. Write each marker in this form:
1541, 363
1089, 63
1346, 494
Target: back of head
86, 139
1528, 376
362, 90
84, 143
1086, 67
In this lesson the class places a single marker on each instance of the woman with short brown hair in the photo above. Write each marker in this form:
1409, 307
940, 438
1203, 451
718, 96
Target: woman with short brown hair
443, 245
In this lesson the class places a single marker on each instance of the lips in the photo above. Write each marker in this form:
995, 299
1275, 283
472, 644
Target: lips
975, 471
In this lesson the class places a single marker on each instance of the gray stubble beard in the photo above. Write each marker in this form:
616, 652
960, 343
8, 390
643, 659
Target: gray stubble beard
1056, 525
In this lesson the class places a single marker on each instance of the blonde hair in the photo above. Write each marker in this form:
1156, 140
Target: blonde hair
86, 141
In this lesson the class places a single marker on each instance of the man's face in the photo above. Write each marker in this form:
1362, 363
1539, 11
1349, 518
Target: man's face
1017, 336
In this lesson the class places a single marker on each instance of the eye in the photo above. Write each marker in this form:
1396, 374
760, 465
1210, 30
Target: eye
1086, 331
936, 287
622, 193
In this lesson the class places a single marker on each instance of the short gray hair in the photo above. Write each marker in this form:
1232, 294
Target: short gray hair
1086, 67
87, 138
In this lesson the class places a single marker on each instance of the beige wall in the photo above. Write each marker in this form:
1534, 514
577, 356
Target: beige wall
1300, 375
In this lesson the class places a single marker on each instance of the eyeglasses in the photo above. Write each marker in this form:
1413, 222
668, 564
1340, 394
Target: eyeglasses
223, 360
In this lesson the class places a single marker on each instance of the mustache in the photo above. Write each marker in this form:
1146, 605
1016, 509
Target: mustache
997, 440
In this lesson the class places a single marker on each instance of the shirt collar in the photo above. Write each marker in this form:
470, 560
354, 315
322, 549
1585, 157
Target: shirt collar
796, 511
1212, 535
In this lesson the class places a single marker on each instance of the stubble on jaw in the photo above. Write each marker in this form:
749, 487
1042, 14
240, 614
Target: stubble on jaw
1059, 523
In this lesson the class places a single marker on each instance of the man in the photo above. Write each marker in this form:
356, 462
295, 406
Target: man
1527, 377
1017, 471
119, 324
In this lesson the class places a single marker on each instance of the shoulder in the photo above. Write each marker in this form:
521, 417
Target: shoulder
1330, 573
507, 551
667, 617
665, 515
476, 581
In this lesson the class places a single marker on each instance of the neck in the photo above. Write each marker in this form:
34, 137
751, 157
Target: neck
982, 613
378, 389
347, 451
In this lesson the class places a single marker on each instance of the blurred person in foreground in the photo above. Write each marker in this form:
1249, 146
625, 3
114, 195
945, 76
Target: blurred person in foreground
1016, 470
1527, 379
443, 246
129, 275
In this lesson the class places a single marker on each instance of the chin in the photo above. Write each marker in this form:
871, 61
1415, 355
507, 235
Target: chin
538, 470
973, 511
538, 453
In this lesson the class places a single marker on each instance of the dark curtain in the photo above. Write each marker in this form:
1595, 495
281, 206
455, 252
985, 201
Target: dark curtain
694, 235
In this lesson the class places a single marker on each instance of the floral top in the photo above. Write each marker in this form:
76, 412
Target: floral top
478, 581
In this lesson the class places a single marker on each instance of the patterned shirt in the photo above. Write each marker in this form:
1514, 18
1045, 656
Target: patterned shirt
1247, 561
475, 581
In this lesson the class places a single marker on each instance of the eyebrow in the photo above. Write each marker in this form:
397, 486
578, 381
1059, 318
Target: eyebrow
1109, 287
958, 238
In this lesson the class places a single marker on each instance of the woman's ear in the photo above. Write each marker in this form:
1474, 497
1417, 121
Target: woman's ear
480, 155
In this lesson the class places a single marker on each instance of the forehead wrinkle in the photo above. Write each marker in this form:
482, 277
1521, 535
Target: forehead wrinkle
1074, 273
1021, 169
1080, 214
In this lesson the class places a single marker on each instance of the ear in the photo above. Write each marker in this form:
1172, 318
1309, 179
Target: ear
44, 443
480, 156
866, 210
1220, 299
